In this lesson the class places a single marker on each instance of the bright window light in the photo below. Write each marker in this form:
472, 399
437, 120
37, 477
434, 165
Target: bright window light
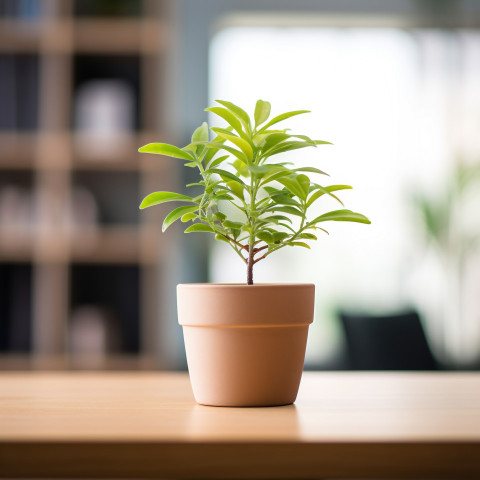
382, 97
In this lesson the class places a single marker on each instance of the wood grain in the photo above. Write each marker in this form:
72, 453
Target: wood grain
147, 425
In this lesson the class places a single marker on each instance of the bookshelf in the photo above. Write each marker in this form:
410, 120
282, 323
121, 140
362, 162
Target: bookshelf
82, 83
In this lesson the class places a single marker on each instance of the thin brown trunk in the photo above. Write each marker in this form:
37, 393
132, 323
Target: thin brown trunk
250, 263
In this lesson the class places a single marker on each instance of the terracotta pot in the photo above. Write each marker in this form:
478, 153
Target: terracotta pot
245, 344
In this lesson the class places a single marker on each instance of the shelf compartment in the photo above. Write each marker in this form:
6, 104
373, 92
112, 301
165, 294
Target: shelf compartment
107, 94
115, 196
15, 307
19, 92
17, 212
104, 309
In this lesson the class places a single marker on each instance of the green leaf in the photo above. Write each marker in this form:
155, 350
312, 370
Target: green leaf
243, 145
284, 199
341, 216
199, 227
163, 197
236, 233
310, 170
228, 116
241, 167
260, 138
224, 196
304, 137
304, 183
257, 171
220, 216
211, 151
292, 184
188, 216
274, 139
238, 112
272, 191
281, 117
285, 147
275, 176
275, 219
201, 133
261, 203
298, 244
221, 238
279, 237
327, 191
262, 112
225, 174
236, 188
190, 164
218, 161
266, 237
237, 153
174, 215
307, 236
190, 148
314, 227
286, 209
233, 225
167, 150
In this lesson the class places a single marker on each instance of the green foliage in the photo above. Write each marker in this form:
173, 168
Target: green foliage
270, 199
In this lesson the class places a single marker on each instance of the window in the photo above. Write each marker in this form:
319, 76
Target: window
402, 107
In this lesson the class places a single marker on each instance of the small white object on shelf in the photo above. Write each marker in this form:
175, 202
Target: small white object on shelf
104, 117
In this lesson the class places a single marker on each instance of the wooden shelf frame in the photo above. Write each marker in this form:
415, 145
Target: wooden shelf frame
52, 155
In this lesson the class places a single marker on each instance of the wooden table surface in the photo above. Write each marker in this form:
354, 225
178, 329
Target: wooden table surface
147, 425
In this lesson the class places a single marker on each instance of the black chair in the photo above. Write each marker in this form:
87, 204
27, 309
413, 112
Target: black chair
388, 342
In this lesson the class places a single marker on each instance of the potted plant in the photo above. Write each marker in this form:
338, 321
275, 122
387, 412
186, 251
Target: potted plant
245, 343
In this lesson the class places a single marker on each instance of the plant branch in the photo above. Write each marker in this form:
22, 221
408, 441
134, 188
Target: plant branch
256, 250
230, 239
261, 258
238, 252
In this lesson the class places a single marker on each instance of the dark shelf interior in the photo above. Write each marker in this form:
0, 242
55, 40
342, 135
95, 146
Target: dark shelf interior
15, 307
107, 297
108, 8
18, 92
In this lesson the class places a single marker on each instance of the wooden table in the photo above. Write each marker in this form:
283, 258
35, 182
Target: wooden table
147, 425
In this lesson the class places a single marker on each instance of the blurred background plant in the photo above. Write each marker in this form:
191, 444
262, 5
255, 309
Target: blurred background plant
451, 226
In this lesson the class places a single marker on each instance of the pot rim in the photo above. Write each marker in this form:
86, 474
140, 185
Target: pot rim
239, 304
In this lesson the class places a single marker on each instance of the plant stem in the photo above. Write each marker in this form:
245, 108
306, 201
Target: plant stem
251, 246
250, 264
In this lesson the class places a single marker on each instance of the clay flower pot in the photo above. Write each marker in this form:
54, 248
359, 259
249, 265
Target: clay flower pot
245, 344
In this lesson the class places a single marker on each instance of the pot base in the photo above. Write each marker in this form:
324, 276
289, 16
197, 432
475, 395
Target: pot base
246, 406
245, 367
